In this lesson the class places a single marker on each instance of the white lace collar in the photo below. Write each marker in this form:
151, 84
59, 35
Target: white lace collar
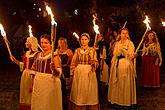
82, 51
47, 56
28, 55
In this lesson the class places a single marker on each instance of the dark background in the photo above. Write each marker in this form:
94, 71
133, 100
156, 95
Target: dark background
16, 15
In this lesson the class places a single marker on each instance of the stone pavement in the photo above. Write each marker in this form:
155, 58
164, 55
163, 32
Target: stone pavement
147, 98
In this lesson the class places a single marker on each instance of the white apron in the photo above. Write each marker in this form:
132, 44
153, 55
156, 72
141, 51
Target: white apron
84, 86
47, 93
25, 86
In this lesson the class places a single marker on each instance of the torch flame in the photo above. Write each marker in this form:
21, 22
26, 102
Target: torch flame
75, 34
96, 27
51, 14
3, 33
147, 21
163, 23
30, 31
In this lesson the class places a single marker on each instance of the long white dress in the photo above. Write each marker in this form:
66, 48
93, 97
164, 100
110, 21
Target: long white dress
25, 83
122, 85
84, 86
104, 75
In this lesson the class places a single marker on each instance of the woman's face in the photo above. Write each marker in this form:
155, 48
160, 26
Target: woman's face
150, 36
115, 33
124, 34
28, 45
45, 44
61, 44
84, 41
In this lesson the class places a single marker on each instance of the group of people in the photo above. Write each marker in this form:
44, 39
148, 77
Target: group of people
46, 85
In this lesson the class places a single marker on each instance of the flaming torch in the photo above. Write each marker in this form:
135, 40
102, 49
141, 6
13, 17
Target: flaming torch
53, 32
31, 35
146, 21
3, 33
163, 23
96, 29
30, 31
75, 34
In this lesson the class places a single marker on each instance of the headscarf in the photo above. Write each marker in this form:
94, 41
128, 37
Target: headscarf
85, 34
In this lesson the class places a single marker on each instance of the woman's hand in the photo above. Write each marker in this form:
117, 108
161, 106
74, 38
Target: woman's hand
53, 69
124, 50
157, 61
13, 59
91, 62
134, 55
52, 66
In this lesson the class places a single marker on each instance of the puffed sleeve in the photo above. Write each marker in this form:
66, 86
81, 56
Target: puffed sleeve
93, 56
131, 49
117, 50
159, 54
143, 50
74, 62
57, 63
70, 55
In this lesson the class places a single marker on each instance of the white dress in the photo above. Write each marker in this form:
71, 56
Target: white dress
122, 85
25, 83
104, 75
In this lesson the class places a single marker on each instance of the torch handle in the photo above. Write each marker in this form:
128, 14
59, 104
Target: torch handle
124, 24
138, 49
141, 41
94, 45
8, 48
94, 50
53, 39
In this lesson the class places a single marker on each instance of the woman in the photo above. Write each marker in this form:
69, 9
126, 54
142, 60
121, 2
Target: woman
112, 43
26, 81
46, 94
102, 70
84, 92
122, 85
151, 61
66, 57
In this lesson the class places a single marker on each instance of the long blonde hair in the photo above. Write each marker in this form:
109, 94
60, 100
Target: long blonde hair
34, 43
119, 34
